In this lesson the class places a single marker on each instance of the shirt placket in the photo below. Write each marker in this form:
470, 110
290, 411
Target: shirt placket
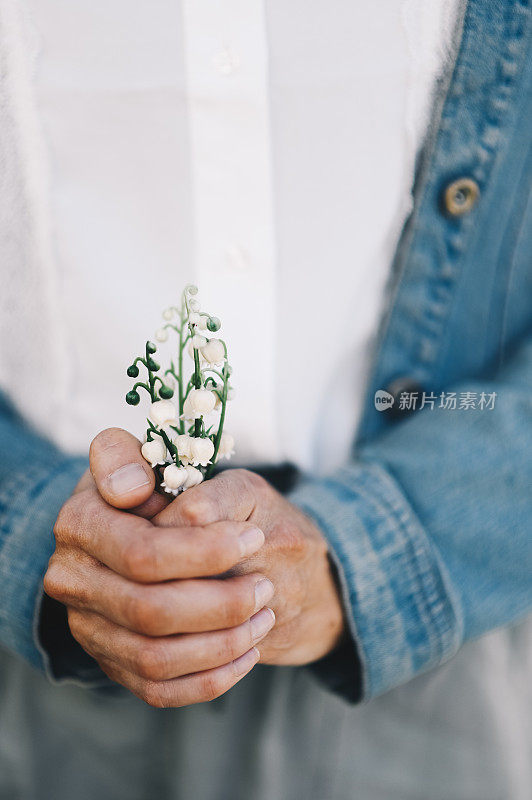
226, 64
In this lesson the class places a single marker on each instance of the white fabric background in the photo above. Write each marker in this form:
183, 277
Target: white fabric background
265, 150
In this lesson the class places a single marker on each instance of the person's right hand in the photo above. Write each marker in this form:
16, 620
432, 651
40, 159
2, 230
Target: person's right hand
143, 600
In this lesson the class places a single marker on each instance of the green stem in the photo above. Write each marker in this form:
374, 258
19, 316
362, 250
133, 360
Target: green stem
219, 432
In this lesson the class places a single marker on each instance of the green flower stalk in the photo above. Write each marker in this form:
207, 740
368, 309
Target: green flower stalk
185, 439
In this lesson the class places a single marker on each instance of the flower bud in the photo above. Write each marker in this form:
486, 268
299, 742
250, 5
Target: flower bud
166, 392
173, 478
162, 412
194, 305
198, 403
201, 451
168, 313
133, 371
152, 365
214, 324
150, 347
213, 351
227, 446
133, 398
162, 335
191, 289
194, 476
154, 452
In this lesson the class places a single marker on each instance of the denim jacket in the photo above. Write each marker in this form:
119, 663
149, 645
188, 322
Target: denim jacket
430, 523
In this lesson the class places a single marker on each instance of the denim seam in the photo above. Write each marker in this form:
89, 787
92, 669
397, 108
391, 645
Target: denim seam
425, 569
418, 575
442, 638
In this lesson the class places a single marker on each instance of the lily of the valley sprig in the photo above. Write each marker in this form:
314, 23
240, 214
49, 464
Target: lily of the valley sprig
185, 434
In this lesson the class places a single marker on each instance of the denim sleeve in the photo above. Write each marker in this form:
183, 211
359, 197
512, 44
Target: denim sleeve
430, 529
35, 480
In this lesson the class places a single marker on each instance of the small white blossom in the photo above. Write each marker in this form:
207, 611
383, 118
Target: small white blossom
183, 442
194, 476
202, 322
194, 318
198, 403
227, 446
194, 305
168, 313
213, 352
174, 478
198, 341
202, 451
154, 452
162, 412
162, 334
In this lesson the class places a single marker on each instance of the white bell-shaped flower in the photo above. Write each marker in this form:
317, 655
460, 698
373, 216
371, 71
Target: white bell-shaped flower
174, 478
154, 452
198, 341
213, 352
183, 442
194, 476
202, 322
162, 412
198, 403
227, 446
161, 335
194, 318
168, 313
202, 451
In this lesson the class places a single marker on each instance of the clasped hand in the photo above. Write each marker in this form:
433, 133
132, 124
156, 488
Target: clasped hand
178, 600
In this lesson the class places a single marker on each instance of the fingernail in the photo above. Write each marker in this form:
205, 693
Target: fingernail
243, 664
263, 592
250, 541
127, 478
261, 623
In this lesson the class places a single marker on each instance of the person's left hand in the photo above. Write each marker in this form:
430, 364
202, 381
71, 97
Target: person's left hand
309, 616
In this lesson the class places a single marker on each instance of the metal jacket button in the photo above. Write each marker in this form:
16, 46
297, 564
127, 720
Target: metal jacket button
460, 196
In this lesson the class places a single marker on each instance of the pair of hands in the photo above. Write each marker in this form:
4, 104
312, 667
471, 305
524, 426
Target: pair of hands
172, 598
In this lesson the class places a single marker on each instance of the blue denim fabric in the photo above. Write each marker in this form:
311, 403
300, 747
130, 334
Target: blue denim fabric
430, 523
35, 480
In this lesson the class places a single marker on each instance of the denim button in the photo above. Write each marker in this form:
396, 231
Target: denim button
406, 393
460, 196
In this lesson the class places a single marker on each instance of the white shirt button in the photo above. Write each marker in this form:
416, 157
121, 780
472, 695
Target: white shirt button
226, 61
237, 258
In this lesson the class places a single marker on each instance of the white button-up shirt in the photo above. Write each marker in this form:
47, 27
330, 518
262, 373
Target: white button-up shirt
264, 150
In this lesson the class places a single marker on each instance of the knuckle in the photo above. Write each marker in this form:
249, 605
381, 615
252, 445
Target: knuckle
53, 581
154, 694
76, 624
151, 662
196, 511
142, 613
221, 553
211, 687
138, 558
237, 641
236, 605
254, 481
68, 520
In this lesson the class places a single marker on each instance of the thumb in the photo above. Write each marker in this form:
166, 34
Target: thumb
122, 476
